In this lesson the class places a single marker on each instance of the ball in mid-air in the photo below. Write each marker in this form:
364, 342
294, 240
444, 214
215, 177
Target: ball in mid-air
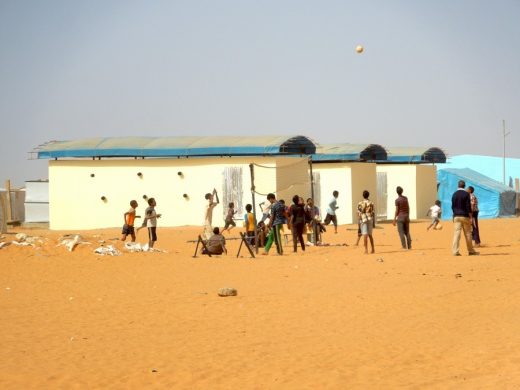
359, 49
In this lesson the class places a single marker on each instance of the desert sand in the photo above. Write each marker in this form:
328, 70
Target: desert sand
331, 318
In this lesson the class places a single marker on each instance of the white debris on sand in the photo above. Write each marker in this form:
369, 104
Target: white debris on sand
23, 239
107, 250
137, 247
4, 244
70, 241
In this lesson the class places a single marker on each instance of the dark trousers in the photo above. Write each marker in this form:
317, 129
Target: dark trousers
475, 233
297, 234
403, 228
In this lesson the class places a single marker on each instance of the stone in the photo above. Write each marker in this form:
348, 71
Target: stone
227, 292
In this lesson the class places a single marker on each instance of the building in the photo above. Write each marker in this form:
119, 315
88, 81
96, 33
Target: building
415, 171
92, 181
349, 169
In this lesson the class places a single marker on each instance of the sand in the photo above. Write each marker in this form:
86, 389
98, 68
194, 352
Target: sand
332, 318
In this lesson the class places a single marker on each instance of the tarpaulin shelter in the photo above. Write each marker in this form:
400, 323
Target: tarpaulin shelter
494, 198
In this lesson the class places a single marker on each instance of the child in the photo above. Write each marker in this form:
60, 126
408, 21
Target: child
266, 210
262, 232
366, 215
435, 212
229, 218
129, 218
213, 201
150, 221
249, 222
216, 244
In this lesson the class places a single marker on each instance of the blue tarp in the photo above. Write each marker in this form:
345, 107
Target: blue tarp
490, 166
494, 198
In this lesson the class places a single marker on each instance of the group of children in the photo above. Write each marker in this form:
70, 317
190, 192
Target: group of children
299, 215
149, 221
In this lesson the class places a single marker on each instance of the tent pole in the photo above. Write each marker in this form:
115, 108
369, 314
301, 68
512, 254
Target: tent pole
313, 222
252, 170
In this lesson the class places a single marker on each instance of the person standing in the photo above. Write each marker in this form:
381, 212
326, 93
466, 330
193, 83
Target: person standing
474, 214
150, 221
402, 218
462, 219
276, 222
213, 201
315, 224
331, 211
366, 215
297, 213
129, 218
250, 224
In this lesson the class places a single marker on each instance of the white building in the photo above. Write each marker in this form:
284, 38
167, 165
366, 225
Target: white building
415, 171
92, 181
349, 169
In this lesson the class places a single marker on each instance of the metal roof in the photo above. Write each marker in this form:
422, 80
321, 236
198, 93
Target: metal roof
177, 146
416, 155
349, 152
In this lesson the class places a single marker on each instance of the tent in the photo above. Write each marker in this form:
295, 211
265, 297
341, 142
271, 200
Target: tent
494, 198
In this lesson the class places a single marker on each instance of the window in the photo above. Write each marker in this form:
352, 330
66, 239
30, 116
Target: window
232, 190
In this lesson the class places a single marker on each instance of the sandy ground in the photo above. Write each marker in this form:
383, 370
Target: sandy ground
332, 318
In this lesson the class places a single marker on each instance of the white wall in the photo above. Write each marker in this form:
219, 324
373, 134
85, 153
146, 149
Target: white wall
350, 180
419, 183
75, 196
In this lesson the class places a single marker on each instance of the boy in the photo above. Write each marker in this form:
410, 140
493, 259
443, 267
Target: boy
331, 211
435, 213
229, 218
216, 244
276, 221
129, 218
213, 201
366, 216
249, 222
150, 221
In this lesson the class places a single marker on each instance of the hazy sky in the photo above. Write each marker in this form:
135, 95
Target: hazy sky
434, 73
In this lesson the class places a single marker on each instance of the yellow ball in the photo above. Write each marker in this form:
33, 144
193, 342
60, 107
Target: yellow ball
359, 49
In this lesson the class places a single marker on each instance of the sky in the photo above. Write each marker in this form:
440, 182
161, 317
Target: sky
434, 73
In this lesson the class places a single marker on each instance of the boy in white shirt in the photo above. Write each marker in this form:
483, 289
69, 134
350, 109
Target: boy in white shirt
435, 212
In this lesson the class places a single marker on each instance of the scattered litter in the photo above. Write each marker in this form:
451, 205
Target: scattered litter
71, 240
308, 243
133, 247
8, 288
136, 247
227, 292
4, 244
23, 239
458, 275
23, 243
107, 250
20, 237
71, 298
380, 259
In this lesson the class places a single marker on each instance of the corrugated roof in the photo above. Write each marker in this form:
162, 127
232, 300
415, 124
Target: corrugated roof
416, 155
177, 146
350, 152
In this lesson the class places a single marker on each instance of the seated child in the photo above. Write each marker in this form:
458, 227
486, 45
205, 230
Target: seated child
216, 244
